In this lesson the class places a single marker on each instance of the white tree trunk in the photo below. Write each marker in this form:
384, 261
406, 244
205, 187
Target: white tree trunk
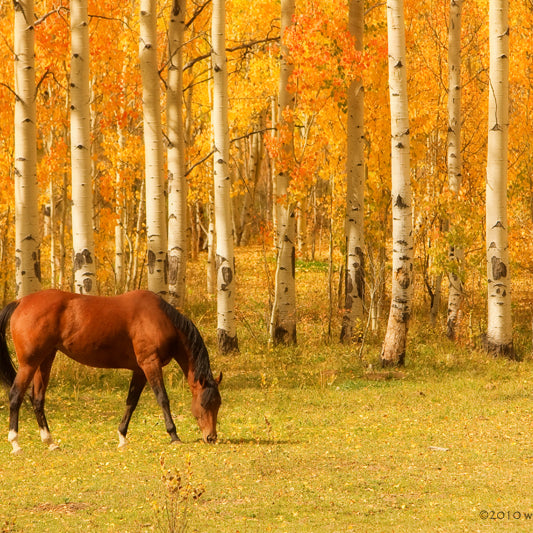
80, 152
355, 190
225, 260
283, 319
499, 323
120, 271
27, 241
455, 291
156, 231
394, 345
177, 184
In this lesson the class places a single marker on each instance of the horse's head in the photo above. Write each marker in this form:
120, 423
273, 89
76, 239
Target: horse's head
206, 402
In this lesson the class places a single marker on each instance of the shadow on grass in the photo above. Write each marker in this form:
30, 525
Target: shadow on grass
260, 442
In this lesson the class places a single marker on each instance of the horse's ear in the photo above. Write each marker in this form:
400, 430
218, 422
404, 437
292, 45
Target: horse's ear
217, 381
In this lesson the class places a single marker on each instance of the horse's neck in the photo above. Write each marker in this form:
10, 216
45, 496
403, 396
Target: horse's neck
186, 362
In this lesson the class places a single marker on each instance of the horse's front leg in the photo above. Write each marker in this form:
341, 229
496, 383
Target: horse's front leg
154, 374
40, 383
138, 381
16, 395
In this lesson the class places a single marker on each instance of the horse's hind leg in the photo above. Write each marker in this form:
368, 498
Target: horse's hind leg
40, 383
16, 395
138, 381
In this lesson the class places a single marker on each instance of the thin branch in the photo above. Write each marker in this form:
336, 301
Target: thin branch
249, 134
197, 13
204, 159
242, 46
374, 7
55, 11
48, 72
9, 89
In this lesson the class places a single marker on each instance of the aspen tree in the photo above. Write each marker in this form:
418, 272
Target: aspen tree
120, 207
455, 292
355, 182
80, 152
119, 226
27, 245
394, 345
283, 319
499, 322
225, 260
156, 231
177, 184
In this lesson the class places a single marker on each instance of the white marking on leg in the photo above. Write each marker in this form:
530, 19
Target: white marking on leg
122, 441
46, 437
12, 437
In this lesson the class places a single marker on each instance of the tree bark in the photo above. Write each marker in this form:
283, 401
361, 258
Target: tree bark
499, 321
27, 241
156, 231
119, 226
225, 260
80, 152
394, 345
455, 291
283, 319
354, 287
177, 184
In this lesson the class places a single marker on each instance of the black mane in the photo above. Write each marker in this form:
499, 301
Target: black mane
202, 367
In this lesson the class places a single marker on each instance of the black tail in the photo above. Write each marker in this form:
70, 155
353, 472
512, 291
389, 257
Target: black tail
7, 370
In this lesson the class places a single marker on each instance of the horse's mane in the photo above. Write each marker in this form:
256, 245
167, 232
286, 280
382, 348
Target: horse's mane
202, 367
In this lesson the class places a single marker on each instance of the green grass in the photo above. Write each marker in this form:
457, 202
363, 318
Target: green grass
315, 438
331, 448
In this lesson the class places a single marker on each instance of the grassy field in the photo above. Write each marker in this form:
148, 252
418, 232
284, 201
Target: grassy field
314, 438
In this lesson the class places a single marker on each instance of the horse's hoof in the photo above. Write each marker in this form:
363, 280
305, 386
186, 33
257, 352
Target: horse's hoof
16, 451
52, 447
175, 441
122, 441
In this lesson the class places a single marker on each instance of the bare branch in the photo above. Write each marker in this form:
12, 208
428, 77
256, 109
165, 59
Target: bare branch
197, 13
204, 159
55, 11
9, 89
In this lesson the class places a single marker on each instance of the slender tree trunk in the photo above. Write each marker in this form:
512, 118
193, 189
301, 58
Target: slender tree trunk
273, 173
177, 184
52, 234
27, 242
225, 260
80, 152
119, 227
394, 345
283, 319
499, 322
211, 273
355, 169
455, 291
156, 231
133, 266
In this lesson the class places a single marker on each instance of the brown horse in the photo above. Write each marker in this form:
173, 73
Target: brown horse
138, 331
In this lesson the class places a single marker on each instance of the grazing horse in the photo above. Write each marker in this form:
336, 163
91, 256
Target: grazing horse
138, 331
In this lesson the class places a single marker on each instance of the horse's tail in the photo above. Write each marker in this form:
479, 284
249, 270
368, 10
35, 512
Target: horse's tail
7, 369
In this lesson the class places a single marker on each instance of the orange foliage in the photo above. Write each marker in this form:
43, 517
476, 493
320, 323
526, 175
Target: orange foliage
325, 62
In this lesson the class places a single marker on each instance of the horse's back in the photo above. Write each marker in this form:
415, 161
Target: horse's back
102, 331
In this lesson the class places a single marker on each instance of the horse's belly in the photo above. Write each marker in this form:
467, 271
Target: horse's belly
99, 357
